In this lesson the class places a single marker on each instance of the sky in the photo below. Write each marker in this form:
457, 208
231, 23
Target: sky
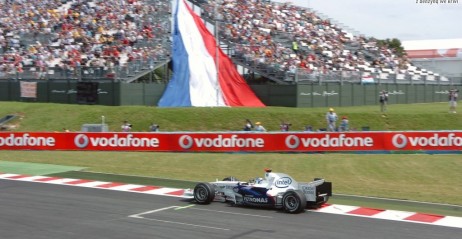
403, 19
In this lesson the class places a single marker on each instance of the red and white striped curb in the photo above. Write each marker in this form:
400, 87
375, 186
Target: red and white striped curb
174, 192
448, 221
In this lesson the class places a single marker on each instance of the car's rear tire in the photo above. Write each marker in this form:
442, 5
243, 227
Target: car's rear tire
294, 201
204, 193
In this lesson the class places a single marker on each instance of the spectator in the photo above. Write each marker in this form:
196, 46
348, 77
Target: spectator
248, 125
66, 35
308, 128
383, 99
154, 127
259, 127
344, 124
126, 127
254, 25
82, 33
453, 95
295, 46
284, 126
331, 118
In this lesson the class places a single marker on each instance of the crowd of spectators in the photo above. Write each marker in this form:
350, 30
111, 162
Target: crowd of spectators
60, 37
292, 38
105, 38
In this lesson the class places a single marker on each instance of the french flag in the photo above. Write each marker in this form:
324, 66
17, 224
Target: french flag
196, 80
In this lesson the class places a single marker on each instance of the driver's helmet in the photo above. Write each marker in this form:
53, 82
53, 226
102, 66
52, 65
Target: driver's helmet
267, 172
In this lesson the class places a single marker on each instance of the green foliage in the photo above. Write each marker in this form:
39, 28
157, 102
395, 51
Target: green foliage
394, 44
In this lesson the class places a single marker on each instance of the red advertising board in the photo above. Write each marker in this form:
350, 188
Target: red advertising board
235, 141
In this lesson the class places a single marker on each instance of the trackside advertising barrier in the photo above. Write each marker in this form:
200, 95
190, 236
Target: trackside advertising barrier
235, 141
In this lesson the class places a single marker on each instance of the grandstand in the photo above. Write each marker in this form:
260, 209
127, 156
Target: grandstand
83, 40
123, 40
262, 35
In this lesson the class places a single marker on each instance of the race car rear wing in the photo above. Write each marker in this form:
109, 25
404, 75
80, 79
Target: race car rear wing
316, 192
324, 189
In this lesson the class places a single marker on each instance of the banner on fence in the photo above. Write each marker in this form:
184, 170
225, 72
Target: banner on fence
28, 89
235, 142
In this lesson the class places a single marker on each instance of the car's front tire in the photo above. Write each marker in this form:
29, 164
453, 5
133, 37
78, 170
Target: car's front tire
204, 193
294, 201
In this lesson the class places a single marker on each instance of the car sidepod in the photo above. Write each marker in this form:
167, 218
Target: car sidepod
255, 196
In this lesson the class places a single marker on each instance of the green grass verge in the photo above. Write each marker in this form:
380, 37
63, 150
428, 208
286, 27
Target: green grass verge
55, 117
34, 168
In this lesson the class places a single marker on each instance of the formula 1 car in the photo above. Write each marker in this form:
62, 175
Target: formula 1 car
275, 190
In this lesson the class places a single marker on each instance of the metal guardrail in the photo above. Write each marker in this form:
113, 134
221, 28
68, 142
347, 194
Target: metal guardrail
303, 76
125, 73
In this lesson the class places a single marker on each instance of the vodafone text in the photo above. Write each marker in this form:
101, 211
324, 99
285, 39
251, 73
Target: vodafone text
128, 140
26, 140
187, 141
401, 141
340, 140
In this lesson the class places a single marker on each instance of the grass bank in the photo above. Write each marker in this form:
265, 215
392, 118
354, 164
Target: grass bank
55, 117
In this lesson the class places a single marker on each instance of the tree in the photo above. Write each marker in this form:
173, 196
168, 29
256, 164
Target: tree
394, 44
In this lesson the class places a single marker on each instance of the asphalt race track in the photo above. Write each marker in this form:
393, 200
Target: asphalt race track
35, 210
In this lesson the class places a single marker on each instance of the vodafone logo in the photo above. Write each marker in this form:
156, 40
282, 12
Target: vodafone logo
115, 141
292, 142
81, 141
186, 142
435, 140
220, 141
328, 141
26, 140
399, 141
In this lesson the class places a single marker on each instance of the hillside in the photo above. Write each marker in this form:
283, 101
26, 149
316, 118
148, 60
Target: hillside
55, 117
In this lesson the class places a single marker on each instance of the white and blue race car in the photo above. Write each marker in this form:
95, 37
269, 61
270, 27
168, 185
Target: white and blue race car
275, 190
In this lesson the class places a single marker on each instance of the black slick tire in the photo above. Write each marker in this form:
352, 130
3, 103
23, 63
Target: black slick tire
294, 202
204, 193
